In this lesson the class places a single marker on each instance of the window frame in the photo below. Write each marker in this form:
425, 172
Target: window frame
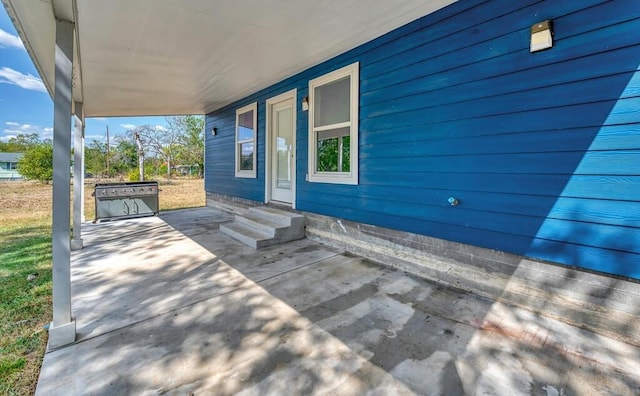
238, 143
353, 72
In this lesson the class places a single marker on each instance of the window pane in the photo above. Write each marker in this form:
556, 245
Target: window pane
245, 126
283, 165
245, 133
246, 119
246, 156
346, 154
331, 102
327, 160
284, 140
332, 133
330, 155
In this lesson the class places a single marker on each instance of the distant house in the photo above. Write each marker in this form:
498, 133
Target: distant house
9, 166
187, 170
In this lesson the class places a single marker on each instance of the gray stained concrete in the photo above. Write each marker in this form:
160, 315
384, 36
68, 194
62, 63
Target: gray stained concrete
169, 305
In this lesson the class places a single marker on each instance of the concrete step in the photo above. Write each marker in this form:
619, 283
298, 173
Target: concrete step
248, 236
278, 216
258, 223
264, 226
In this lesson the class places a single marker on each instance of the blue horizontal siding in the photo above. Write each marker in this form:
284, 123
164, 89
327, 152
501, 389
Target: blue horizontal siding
614, 137
618, 188
591, 163
542, 149
435, 106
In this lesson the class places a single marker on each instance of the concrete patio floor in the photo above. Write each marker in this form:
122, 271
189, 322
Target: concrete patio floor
169, 305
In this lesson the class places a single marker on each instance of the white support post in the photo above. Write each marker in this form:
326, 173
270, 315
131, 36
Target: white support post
82, 166
62, 330
78, 178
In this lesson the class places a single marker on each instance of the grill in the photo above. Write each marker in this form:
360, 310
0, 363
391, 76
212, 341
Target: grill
126, 200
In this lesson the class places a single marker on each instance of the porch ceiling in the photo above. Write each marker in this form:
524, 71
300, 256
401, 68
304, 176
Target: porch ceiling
156, 57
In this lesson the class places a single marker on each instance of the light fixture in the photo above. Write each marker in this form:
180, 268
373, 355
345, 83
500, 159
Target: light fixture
305, 103
541, 36
214, 131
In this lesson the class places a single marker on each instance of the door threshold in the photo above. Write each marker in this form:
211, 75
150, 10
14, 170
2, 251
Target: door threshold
279, 204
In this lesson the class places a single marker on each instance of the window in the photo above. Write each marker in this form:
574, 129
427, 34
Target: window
246, 127
333, 127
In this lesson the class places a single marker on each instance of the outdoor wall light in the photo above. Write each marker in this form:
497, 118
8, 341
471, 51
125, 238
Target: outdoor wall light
305, 103
214, 131
541, 36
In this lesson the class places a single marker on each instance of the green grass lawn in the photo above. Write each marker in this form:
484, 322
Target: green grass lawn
25, 303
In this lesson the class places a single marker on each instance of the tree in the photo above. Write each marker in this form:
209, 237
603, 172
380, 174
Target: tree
37, 162
124, 155
95, 158
20, 143
191, 150
162, 141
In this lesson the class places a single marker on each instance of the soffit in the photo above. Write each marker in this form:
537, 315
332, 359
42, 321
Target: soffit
157, 57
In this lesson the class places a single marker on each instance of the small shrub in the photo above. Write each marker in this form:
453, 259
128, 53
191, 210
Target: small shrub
37, 163
134, 175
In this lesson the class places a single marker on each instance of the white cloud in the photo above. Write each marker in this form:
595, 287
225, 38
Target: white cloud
128, 126
8, 40
6, 137
14, 128
47, 133
90, 138
26, 81
160, 128
103, 119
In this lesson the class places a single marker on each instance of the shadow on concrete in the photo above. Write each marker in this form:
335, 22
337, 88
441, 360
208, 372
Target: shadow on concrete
171, 306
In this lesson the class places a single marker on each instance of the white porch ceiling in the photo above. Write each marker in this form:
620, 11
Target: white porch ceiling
158, 57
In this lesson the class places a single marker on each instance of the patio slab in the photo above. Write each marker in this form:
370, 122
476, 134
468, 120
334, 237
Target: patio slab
169, 305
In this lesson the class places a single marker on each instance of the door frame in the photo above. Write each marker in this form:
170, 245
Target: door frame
289, 95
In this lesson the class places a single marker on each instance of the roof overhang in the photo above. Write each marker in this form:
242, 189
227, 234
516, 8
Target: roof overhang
160, 57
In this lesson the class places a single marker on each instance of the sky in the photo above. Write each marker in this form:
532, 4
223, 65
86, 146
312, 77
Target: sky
25, 105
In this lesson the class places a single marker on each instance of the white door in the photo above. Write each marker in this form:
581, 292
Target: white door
282, 151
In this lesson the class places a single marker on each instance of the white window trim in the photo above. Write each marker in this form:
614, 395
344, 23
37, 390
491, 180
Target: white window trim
350, 177
247, 173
